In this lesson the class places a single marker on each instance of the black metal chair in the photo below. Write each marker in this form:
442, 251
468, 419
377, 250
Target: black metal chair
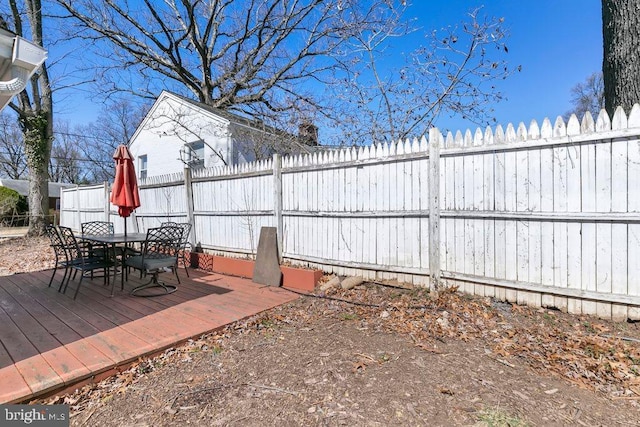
159, 252
97, 228
81, 260
184, 242
61, 255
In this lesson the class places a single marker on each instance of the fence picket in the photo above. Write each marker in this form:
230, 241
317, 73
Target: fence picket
633, 119
603, 122
523, 208
535, 227
619, 179
499, 136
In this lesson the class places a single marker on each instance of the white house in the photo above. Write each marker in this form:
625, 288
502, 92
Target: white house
178, 131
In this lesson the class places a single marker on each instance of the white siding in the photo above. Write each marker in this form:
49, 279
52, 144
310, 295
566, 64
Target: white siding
173, 122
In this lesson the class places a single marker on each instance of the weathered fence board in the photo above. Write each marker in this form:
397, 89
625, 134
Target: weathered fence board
543, 215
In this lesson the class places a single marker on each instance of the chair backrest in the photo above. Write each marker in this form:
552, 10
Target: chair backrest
97, 228
162, 242
70, 244
186, 230
56, 242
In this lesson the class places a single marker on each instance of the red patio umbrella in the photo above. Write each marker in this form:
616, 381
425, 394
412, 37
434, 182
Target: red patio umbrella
124, 192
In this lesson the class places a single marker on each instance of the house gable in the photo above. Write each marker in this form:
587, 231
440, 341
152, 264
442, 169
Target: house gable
170, 108
178, 131
174, 132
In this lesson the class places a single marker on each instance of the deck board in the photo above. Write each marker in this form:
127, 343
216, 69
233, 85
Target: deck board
13, 386
49, 341
58, 308
13, 340
54, 325
29, 322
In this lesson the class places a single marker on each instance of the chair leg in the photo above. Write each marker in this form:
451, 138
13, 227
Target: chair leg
53, 275
65, 276
78, 288
184, 263
66, 285
154, 283
183, 256
175, 271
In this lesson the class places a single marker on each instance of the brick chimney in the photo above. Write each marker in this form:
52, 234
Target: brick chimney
308, 133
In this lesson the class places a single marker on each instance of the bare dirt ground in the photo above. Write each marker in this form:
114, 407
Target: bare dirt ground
19, 255
375, 356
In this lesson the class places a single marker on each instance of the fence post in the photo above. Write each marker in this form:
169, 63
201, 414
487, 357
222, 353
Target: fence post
107, 206
277, 208
77, 226
189, 200
435, 140
62, 196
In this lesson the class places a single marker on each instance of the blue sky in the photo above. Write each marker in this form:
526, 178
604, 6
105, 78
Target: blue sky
557, 43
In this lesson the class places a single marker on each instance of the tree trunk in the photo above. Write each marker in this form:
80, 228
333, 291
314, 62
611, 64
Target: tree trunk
621, 59
38, 136
35, 114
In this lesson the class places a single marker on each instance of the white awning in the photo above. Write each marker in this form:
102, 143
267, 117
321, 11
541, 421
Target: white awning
19, 59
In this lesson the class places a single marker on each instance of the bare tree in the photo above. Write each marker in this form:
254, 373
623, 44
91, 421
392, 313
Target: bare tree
228, 54
65, 164
587, 96
35, 113
98, 140
621, 62
455, 72
288, 62
13, 162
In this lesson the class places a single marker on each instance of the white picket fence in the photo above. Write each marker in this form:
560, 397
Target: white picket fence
545, 215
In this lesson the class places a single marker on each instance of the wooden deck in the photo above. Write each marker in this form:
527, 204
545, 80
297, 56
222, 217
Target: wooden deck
50, 342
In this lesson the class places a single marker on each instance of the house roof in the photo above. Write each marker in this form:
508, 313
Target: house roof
232, 117
283, 142
22, 186
211, 111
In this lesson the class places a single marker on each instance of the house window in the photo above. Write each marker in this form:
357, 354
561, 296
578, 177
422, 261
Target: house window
196, 154
142, 166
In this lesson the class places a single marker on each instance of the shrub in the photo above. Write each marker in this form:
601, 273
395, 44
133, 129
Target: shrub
11, 204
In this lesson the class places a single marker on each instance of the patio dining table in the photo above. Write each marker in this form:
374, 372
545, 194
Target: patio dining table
118, 241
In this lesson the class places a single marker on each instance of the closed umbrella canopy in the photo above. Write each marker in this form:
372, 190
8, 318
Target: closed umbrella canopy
124, 193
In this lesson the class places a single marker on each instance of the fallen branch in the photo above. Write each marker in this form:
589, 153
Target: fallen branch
281, 390
504, 362
620, 338
364, 356
86, 420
